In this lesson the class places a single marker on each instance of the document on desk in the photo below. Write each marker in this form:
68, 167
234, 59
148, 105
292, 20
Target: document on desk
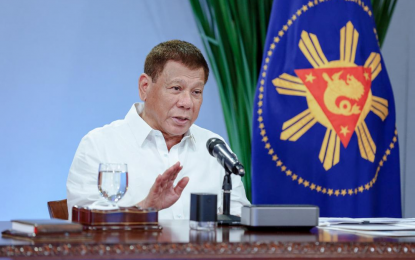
338, 221
371, 226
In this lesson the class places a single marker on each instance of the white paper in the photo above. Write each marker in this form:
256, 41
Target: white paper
399, 233
395, 227
373, 227
335, 221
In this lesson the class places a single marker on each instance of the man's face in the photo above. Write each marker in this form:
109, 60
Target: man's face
172, 103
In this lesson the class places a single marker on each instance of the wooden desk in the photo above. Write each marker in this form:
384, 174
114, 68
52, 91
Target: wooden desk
176, 241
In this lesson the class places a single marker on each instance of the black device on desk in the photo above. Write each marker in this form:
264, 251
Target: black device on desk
287, 217
218, 149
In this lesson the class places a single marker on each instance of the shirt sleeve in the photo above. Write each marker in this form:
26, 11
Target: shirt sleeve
81, 186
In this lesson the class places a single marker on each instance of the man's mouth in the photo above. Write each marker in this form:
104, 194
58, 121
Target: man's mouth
180, 120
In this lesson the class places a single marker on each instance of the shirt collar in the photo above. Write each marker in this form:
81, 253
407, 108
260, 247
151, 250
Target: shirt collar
189, 135
141, 130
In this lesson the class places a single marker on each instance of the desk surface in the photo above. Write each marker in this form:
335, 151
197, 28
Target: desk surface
176, 240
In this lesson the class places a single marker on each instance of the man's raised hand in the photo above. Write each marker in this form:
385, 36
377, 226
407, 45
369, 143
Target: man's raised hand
163, 194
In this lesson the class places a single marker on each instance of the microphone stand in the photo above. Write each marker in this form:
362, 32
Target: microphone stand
226, 218
227, 187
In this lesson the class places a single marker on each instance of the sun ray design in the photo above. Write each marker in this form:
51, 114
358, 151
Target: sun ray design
373, 62
366, 145
348, 42
290, 85
297, 126
380, 107
311, 49
330, 149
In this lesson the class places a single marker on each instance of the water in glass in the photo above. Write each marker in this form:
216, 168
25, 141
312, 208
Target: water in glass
113, 181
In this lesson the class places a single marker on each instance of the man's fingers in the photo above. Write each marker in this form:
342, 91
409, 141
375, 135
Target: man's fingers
181, 185
170, 172
157, 184
165, 181
177, 173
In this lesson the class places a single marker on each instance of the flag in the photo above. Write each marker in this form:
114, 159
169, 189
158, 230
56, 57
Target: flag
324, 119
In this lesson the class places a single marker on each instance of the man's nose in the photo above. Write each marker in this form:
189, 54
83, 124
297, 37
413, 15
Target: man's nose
185, 100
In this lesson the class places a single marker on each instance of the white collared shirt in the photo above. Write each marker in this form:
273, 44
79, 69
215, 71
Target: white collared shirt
144, 150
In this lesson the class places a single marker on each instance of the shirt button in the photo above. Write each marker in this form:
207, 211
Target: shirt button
165, 155
178, 216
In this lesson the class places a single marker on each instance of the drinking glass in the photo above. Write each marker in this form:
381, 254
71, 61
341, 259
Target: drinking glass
113, 181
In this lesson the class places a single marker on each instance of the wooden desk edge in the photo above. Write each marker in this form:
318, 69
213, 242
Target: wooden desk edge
262, 250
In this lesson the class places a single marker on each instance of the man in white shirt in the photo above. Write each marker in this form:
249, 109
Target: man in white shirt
158, 136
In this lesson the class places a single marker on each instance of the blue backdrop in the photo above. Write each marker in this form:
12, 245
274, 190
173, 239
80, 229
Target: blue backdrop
67, 67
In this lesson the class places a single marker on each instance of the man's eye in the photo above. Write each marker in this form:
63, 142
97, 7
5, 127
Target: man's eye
197, 92
176, 88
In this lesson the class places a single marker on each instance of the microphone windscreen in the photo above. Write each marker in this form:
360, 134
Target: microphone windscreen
210, 144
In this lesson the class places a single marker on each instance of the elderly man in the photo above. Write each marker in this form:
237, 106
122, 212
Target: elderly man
158, 136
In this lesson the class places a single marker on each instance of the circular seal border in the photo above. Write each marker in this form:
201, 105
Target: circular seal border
284, 169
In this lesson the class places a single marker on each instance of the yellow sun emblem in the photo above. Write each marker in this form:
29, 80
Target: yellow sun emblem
297, 126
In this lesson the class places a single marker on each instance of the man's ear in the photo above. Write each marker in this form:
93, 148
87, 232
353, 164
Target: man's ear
144, 82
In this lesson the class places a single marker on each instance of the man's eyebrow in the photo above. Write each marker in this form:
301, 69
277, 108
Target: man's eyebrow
176, 81
181, 81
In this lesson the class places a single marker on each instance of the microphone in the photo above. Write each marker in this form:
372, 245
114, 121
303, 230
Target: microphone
217, 148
